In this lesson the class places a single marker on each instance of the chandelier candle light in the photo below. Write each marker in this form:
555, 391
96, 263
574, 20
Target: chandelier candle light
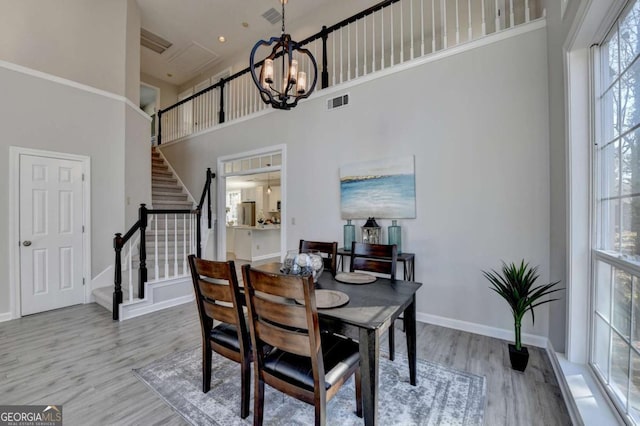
293, 81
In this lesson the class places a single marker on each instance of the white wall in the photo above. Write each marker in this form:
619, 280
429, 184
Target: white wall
168, 92
137, 161
477, 123
132, 52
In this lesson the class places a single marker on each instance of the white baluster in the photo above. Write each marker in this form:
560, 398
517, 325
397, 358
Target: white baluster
391, 36
349, 53
341, 55
130, 271
457, 24
364, 47
175, 244
401, 33
184, 244
357, 52
411, 27
333, 53
469, 30
382, 38
422, 27
156, 268
527, 15
433, 26
166, 246
484, 22
512, 19
443, 14
373, 42
497, 17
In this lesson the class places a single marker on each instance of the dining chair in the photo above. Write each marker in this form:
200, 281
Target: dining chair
305, 363
218, 299
330, 249
379, 258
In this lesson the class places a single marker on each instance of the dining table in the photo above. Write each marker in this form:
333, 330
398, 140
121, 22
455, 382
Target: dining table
371, 309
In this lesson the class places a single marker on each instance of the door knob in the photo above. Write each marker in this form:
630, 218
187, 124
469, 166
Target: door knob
26, 243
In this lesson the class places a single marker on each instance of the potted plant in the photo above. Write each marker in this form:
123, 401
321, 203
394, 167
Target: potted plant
516, 285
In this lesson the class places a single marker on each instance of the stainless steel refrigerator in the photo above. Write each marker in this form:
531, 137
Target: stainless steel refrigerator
247, 213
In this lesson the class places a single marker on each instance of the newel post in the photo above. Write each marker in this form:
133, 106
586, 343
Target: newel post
325, 69
117, 292
221, 112
159, 126
209, 179
142, 271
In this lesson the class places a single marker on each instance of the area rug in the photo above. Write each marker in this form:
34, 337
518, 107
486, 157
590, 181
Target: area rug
443, 396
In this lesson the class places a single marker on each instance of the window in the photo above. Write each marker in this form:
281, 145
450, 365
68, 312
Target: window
615, 336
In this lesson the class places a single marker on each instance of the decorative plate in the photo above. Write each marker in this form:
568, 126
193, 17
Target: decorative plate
355, 278
328, 299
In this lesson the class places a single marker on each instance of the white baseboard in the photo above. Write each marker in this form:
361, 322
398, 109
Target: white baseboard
265, 256
148, 305
5, 316
484, 330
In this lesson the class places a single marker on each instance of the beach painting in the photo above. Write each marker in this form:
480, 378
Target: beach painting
383, 189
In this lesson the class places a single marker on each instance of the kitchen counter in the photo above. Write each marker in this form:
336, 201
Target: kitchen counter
257, 228
254, 242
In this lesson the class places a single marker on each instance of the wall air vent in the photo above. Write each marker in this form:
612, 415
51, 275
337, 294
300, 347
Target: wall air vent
273, 16
340, 101
153, 41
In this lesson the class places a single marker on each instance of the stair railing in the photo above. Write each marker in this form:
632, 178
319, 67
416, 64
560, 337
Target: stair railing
386, 34
191, 237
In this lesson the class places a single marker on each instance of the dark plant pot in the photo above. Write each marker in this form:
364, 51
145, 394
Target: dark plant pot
518, 358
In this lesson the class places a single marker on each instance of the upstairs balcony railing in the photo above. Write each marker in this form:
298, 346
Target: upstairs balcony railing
385, 35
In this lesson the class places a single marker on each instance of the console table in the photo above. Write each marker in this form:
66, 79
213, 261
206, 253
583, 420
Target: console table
407, 259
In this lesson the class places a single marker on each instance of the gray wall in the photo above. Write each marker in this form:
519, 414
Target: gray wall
40, 114
477, 123
81, 40
95, 43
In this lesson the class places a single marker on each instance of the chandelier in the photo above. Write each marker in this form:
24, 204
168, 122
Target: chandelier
283, 86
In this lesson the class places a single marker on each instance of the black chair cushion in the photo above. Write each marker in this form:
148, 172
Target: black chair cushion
226, 335
340, 355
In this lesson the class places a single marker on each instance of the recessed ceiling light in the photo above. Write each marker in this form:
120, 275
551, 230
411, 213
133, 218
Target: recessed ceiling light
221, 39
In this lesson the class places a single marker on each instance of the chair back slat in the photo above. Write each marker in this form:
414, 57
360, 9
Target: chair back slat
329, 249
280, 313
287, 286
287, 340
379, 258
221, 313
215, 291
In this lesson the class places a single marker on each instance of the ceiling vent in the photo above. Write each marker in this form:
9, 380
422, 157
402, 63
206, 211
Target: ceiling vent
272, 15
338, 102
153, 41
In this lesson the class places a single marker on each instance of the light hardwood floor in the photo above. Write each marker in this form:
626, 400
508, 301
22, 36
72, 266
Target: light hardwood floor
80, 358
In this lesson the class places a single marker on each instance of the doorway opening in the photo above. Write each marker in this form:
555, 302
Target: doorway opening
251, 192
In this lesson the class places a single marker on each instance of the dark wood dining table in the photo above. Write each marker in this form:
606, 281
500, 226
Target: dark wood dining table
372, 308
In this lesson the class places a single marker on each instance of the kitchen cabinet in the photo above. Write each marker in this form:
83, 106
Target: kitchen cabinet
256, 243
273, 198
248, 194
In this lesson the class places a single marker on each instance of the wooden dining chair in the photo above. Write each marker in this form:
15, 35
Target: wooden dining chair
305, 363
379, 258
218, 299
330, 249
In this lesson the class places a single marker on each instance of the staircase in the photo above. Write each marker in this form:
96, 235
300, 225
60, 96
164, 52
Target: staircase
166, 192
169, 239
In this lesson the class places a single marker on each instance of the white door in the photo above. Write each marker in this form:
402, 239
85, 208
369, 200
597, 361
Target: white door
51, 226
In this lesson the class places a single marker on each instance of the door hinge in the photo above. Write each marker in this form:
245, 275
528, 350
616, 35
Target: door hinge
83, 229
83, 177
82, 280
